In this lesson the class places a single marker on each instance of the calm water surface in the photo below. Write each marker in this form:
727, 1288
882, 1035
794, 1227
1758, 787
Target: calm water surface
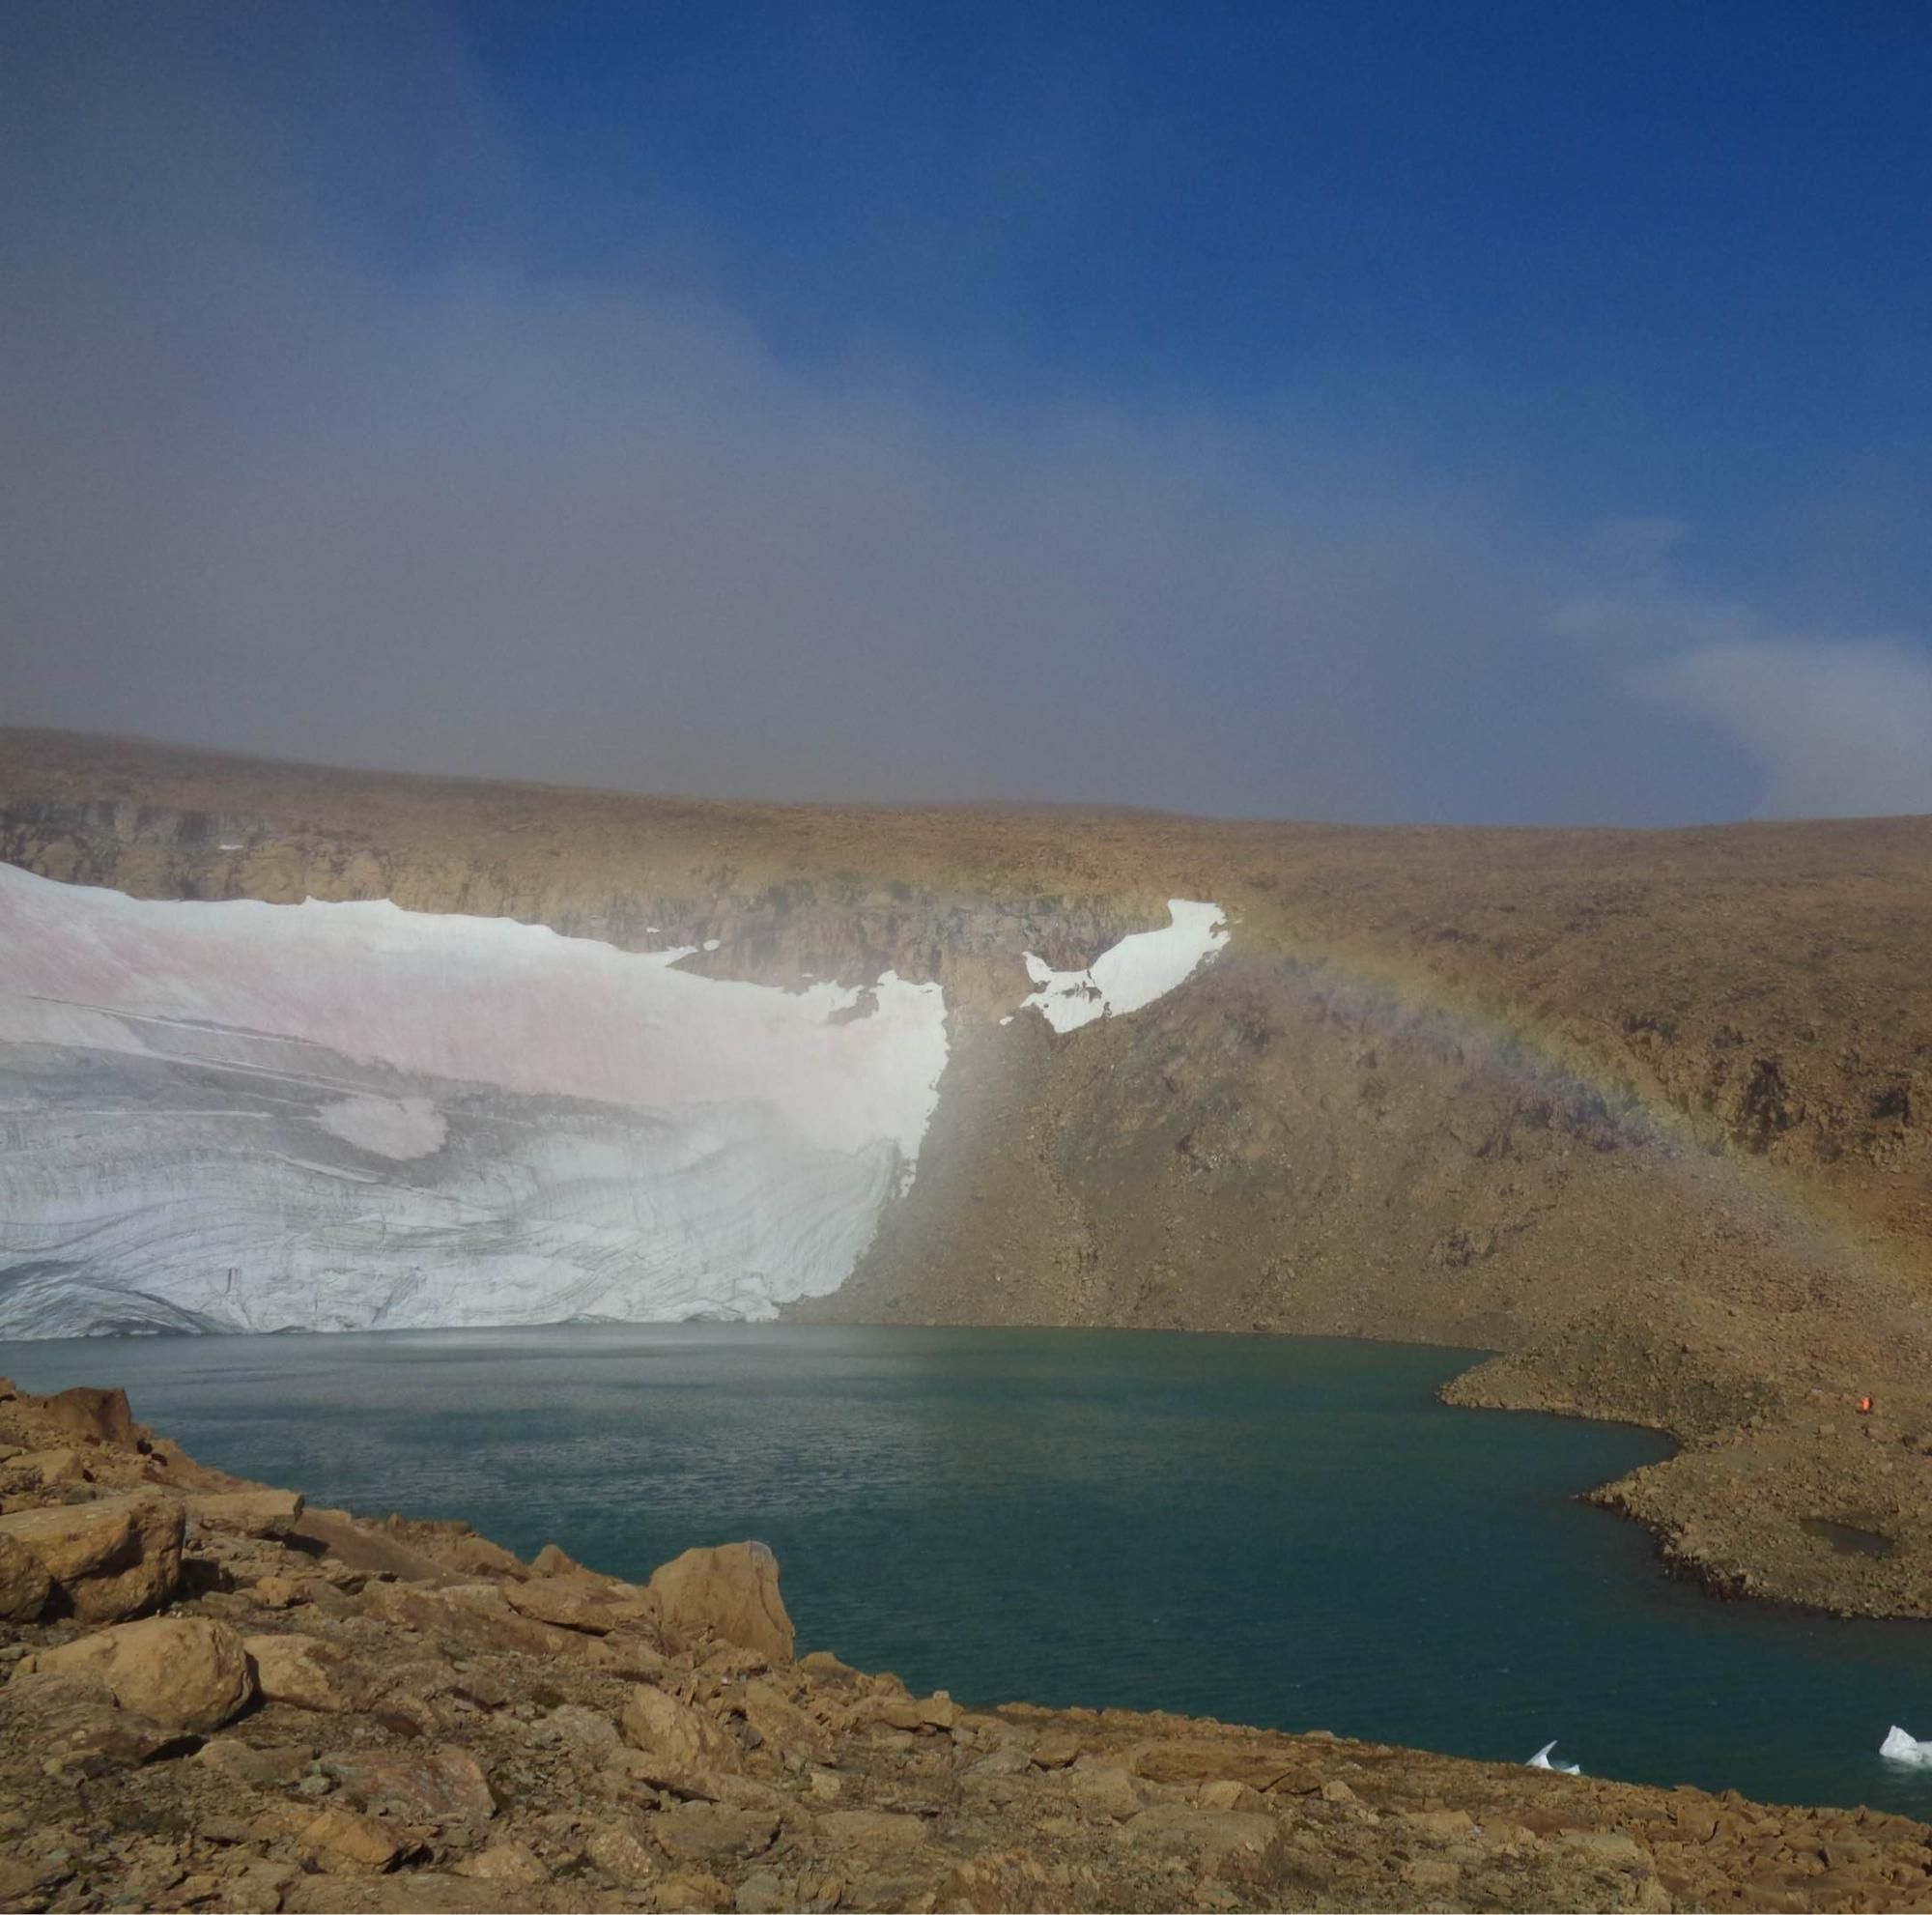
1280, 1531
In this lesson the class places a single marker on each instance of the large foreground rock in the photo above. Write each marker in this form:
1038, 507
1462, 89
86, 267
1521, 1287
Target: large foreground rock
108, 1559
730, 1592
184, 1672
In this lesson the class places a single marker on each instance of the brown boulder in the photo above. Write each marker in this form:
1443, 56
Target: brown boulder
779, 1720
100, 1414
713, 1832
184, 1671
730, 1592
70, 1720
278, 1591
305, 1673
110, 1558
622, 1853
24, 1582
236, 1761
550, 1560
581, 1603
505, 1864
52, 1468
438, 1786
339, 1837
270, 1514
675, 1731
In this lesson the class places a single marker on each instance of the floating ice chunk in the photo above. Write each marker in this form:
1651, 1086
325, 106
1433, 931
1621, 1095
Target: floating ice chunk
1141, 967
1541, 1761
1899, 1746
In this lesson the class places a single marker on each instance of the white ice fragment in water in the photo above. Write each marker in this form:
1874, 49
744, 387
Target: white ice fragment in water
1146, 965
1899, 1746
1541, 1761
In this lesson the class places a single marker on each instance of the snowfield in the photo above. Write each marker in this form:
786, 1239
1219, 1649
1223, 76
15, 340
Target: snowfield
1130, 974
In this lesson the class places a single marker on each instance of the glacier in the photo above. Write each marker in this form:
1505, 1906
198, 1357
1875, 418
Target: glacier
240, 1116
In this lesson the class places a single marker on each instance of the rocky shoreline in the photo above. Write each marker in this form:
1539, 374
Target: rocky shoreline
216, 1697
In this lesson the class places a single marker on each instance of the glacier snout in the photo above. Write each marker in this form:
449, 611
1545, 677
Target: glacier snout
242, 1116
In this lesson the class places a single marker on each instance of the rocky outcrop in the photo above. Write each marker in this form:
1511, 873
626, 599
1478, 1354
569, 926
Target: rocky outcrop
730, 1592
415, 1742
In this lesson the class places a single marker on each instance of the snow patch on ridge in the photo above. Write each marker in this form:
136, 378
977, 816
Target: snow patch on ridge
350, 1116
1143, 966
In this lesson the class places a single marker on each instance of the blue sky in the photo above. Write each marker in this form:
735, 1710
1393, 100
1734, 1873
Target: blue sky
1487, 413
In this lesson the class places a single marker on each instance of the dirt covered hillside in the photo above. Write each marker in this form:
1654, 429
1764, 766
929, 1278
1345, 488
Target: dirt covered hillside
1648, 1113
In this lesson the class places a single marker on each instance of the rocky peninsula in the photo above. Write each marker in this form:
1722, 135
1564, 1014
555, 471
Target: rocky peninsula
218, 1698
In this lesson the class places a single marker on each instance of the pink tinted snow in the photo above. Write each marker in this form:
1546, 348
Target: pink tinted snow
486, 1000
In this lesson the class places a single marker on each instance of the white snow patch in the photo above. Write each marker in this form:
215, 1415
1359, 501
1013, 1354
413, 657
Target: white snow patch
713, 943
400, 1128
1146, 965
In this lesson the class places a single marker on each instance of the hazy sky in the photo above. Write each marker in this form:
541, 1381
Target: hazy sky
1491, 412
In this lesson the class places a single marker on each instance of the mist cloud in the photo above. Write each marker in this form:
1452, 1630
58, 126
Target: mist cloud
1831, 726
1840, 729
279, 474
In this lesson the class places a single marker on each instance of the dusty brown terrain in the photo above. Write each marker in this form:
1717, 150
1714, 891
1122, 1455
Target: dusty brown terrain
1647, 1113
212, 1696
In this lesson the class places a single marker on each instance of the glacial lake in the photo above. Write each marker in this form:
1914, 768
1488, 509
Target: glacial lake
1289, 1532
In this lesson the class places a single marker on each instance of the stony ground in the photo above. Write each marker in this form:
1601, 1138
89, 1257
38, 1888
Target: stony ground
217, 1698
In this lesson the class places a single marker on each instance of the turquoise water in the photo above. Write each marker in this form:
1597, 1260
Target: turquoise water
1280, 1531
